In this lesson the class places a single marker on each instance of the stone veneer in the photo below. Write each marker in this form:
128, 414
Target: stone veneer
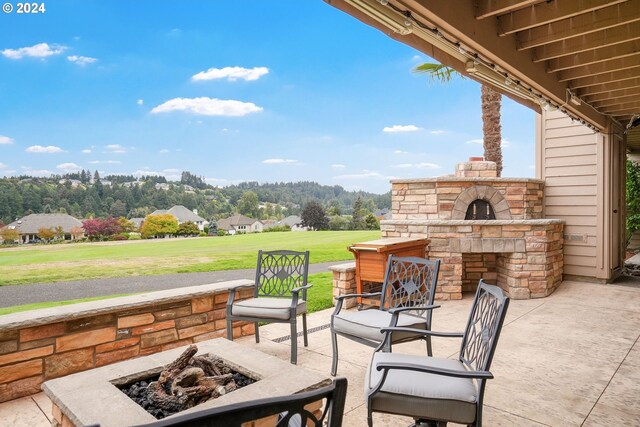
39, 345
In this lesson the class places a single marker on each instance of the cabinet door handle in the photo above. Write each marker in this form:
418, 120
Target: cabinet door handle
615, 211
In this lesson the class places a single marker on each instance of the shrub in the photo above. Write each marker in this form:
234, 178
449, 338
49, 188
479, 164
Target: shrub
120, 237
202, 234
277, 228
222, 233
135, 236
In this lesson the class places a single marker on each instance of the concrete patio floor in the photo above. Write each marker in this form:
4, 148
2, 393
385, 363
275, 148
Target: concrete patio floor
571, 359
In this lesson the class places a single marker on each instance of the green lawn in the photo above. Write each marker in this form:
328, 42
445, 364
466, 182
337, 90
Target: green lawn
319, 297
53, 263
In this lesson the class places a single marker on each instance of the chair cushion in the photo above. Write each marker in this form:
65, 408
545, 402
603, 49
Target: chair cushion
418, 394
267, 308
367, 324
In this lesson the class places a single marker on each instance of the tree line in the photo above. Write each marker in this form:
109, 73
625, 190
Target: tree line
125, 196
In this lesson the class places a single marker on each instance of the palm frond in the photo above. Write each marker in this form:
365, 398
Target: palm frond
439, 73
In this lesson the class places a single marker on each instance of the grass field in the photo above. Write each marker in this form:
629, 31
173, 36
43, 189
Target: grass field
54, 263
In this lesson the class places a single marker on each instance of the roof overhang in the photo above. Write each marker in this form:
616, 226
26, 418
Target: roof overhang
582, 57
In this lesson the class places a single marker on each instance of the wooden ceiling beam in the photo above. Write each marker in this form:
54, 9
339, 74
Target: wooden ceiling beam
608, 87
625, 63
609, 17
487, 8
609, 37
547, 13
612, 95
615, 100
615, 76
594, 56
630, 108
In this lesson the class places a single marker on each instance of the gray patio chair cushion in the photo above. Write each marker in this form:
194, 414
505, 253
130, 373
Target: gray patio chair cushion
416, 393
272, 308
367, 323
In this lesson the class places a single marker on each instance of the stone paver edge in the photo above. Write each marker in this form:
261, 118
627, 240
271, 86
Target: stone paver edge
92, 308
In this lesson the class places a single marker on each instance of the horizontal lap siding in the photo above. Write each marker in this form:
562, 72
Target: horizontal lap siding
570, 170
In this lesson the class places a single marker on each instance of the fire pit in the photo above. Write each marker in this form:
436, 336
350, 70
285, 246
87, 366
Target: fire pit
96, 396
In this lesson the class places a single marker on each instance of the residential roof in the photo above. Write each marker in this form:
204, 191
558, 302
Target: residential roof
234, 221
30, 224
181, 213
291, 221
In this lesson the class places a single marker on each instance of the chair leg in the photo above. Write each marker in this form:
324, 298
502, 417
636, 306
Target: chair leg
369, 417
429, 349
294, 343
304, 328
257, 333
334, 363
229, 330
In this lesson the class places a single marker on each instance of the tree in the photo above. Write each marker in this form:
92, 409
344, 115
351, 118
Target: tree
126, 226
248, 204
632, 199
188, 229
46, 234
314, 216
77, 233
118, 208
371, 222
59, 232
100, 229
357, 215
490, 104
159, 226
9, 235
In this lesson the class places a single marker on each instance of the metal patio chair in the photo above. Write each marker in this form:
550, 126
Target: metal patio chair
435, 390
289, 411
280, 295
406, 300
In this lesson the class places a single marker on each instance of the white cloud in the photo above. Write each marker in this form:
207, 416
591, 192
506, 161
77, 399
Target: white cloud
86, 151
141, 172
172, 170
423, 165
366, 174
5, 140
81, 60
278, 161
231, 73
208, 106
474, 141
40, 50
532, 166
338, 166
140, 101
505, 143
401, 128
400, 152
437, 132
416, 58
35, 172
2, 166
68, 167
115, 149
164, 151
41, 149
105, 162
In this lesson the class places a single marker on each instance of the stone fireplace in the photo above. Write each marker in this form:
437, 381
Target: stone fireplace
481, 227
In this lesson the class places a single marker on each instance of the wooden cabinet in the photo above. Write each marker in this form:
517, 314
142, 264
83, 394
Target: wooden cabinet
372, 256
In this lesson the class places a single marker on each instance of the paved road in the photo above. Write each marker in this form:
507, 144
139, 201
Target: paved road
62, 291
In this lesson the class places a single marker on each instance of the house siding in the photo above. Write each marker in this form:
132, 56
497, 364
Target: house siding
574, 162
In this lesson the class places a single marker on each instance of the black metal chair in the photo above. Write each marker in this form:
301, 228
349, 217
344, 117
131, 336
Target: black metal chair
406, 300
435, 390
280, 295
289, 410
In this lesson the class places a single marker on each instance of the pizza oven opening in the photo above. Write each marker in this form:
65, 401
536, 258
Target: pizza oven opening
480, 209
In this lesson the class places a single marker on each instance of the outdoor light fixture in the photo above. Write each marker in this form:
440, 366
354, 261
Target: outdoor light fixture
634, 122
573, 98
387, 17
497, 79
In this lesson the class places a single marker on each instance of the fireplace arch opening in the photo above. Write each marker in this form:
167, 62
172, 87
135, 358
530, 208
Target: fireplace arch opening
480, 210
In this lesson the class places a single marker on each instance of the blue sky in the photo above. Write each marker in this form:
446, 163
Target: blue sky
260, 90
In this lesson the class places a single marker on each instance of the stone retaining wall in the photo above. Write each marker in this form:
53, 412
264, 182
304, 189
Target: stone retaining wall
39, 345
344, 282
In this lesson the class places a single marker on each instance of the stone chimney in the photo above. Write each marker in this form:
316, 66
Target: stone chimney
477, 167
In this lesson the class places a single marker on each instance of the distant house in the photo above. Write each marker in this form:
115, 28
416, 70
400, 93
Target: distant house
183, 214
74, 182
294, 222
240, 224
137, 222
381, 214
29, 225
161, 186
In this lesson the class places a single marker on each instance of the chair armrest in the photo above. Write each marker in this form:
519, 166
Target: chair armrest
232, 291
423, 332
298, 289
433, 370
373, 294
417, 308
